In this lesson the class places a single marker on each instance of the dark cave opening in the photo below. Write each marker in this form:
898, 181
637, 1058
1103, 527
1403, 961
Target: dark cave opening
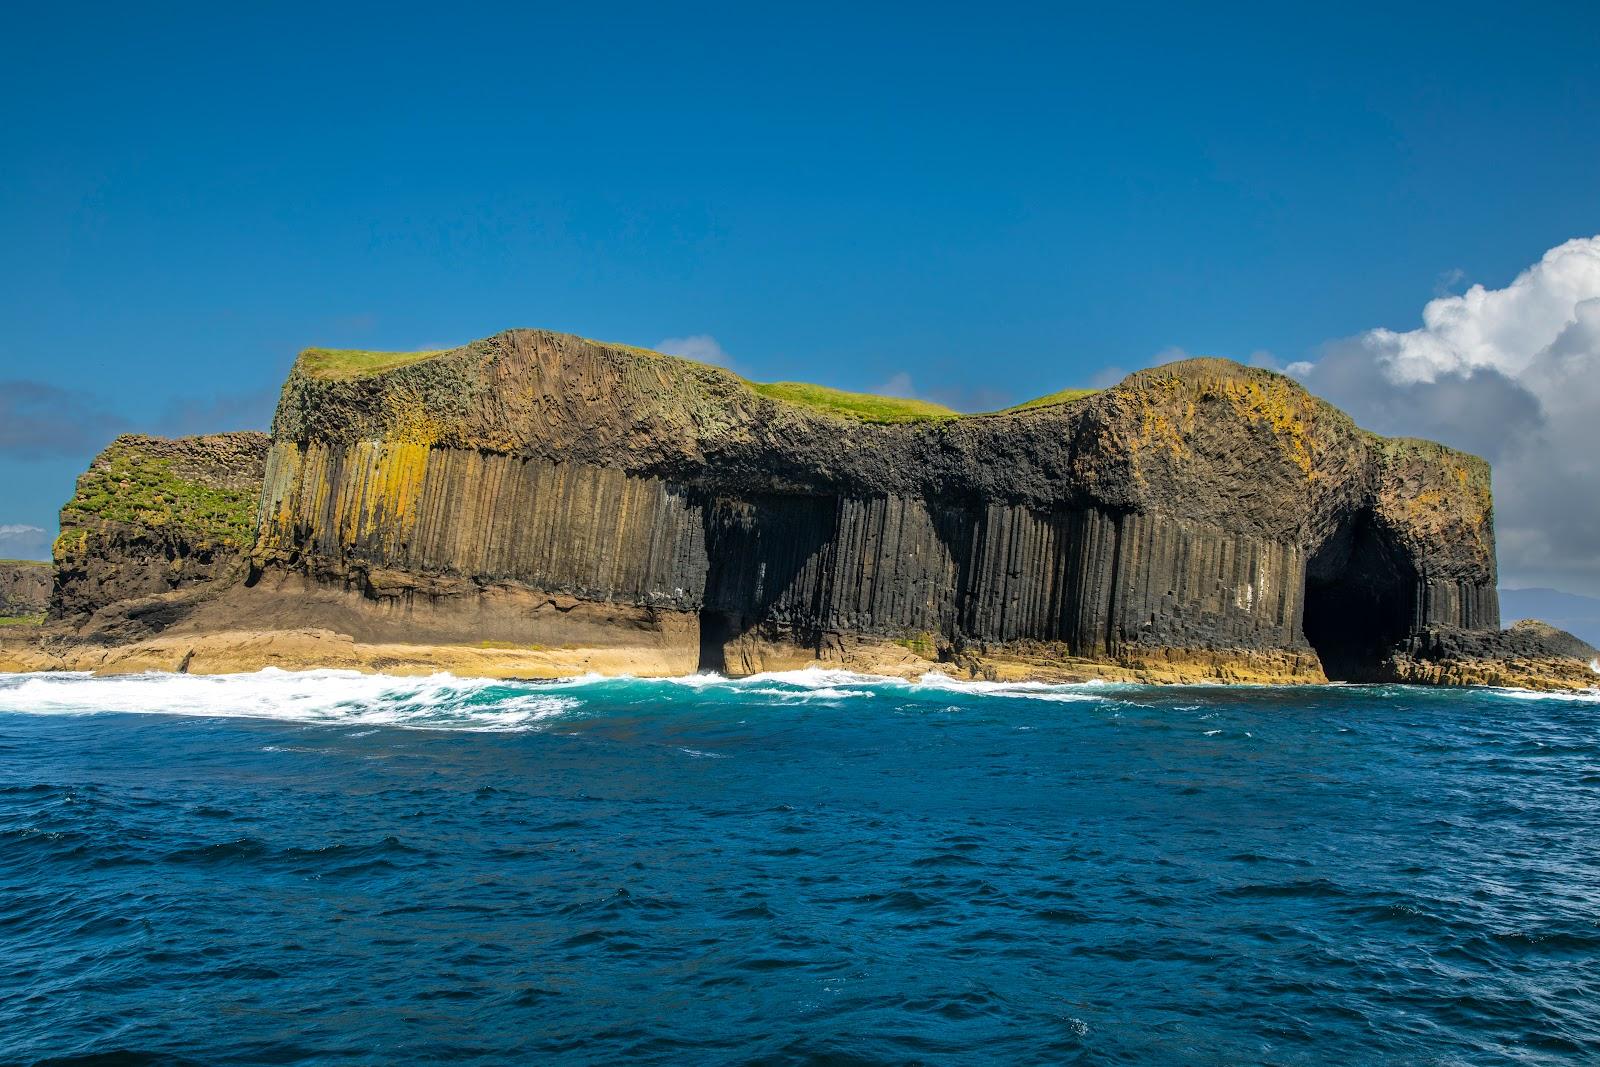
757, 550
1359, 600
717, 628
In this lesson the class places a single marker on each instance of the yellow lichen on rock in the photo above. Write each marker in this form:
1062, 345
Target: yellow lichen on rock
1286, 409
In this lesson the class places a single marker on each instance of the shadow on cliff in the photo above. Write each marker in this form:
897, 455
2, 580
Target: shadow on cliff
768, 559
1360, 599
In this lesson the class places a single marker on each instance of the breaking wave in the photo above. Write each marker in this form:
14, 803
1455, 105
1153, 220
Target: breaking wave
447, 702
322, 697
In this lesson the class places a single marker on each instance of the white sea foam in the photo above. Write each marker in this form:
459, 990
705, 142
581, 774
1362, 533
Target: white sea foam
815, 678
1073, 692
830, 682
445, 701
326, 697
826, 692
693, 681
1586, 696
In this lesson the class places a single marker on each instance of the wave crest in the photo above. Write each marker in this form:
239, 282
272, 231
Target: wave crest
321, 697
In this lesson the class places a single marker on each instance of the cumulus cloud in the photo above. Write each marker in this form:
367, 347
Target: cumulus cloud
1512, 374
700, 346
20, 541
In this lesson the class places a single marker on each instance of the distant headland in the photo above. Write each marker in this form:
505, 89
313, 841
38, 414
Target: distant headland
536, 504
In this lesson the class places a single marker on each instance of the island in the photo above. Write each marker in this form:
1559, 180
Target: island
536, 504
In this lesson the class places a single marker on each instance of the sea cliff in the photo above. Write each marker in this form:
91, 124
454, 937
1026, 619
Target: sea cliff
536, 503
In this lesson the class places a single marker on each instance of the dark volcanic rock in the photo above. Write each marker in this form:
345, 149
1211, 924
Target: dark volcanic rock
1529, 654
24, 587
1194, 509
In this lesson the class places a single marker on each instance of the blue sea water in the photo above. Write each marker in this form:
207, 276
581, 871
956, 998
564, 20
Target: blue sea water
798, 868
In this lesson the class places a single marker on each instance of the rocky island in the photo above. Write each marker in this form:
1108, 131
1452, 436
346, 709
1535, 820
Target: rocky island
536, 504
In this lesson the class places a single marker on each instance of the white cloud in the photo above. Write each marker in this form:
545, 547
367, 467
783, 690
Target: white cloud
700, 346
1106, 377
899, 384
20, 541
1514, 375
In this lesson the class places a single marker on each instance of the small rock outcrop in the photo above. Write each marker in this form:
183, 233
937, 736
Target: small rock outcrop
1528, 654
153, 516
24, 588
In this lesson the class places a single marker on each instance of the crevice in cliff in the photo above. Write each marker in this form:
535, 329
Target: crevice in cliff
1360, 600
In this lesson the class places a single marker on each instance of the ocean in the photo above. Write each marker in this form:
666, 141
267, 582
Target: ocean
800, 868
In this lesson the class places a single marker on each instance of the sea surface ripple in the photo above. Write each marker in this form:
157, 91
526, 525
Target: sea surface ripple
811, 867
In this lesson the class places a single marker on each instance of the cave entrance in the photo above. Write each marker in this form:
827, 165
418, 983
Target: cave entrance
717, 629
762, 569
1359, 599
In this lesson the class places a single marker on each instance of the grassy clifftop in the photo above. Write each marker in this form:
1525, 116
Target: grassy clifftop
868, 407
344, 364
168, 485
335, 364
1061, 396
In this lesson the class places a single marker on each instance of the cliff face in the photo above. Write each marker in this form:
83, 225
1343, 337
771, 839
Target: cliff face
1201, 513
24, 587
153, 516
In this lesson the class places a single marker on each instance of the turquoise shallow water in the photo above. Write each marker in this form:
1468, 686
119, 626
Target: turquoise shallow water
804, 868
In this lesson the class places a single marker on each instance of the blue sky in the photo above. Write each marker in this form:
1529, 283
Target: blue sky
975, 204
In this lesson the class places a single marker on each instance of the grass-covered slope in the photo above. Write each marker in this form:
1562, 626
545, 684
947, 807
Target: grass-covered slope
346, 364
1062, 396
869, 407
138, 482
340, 363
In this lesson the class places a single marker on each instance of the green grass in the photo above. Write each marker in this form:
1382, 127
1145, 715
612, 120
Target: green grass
25, 562
345, 363
868, 407
1064, 396
341, 363
139, 489
21, 620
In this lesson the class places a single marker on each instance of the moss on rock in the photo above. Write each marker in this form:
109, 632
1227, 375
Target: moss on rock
340, 363
136, 485
151, 515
